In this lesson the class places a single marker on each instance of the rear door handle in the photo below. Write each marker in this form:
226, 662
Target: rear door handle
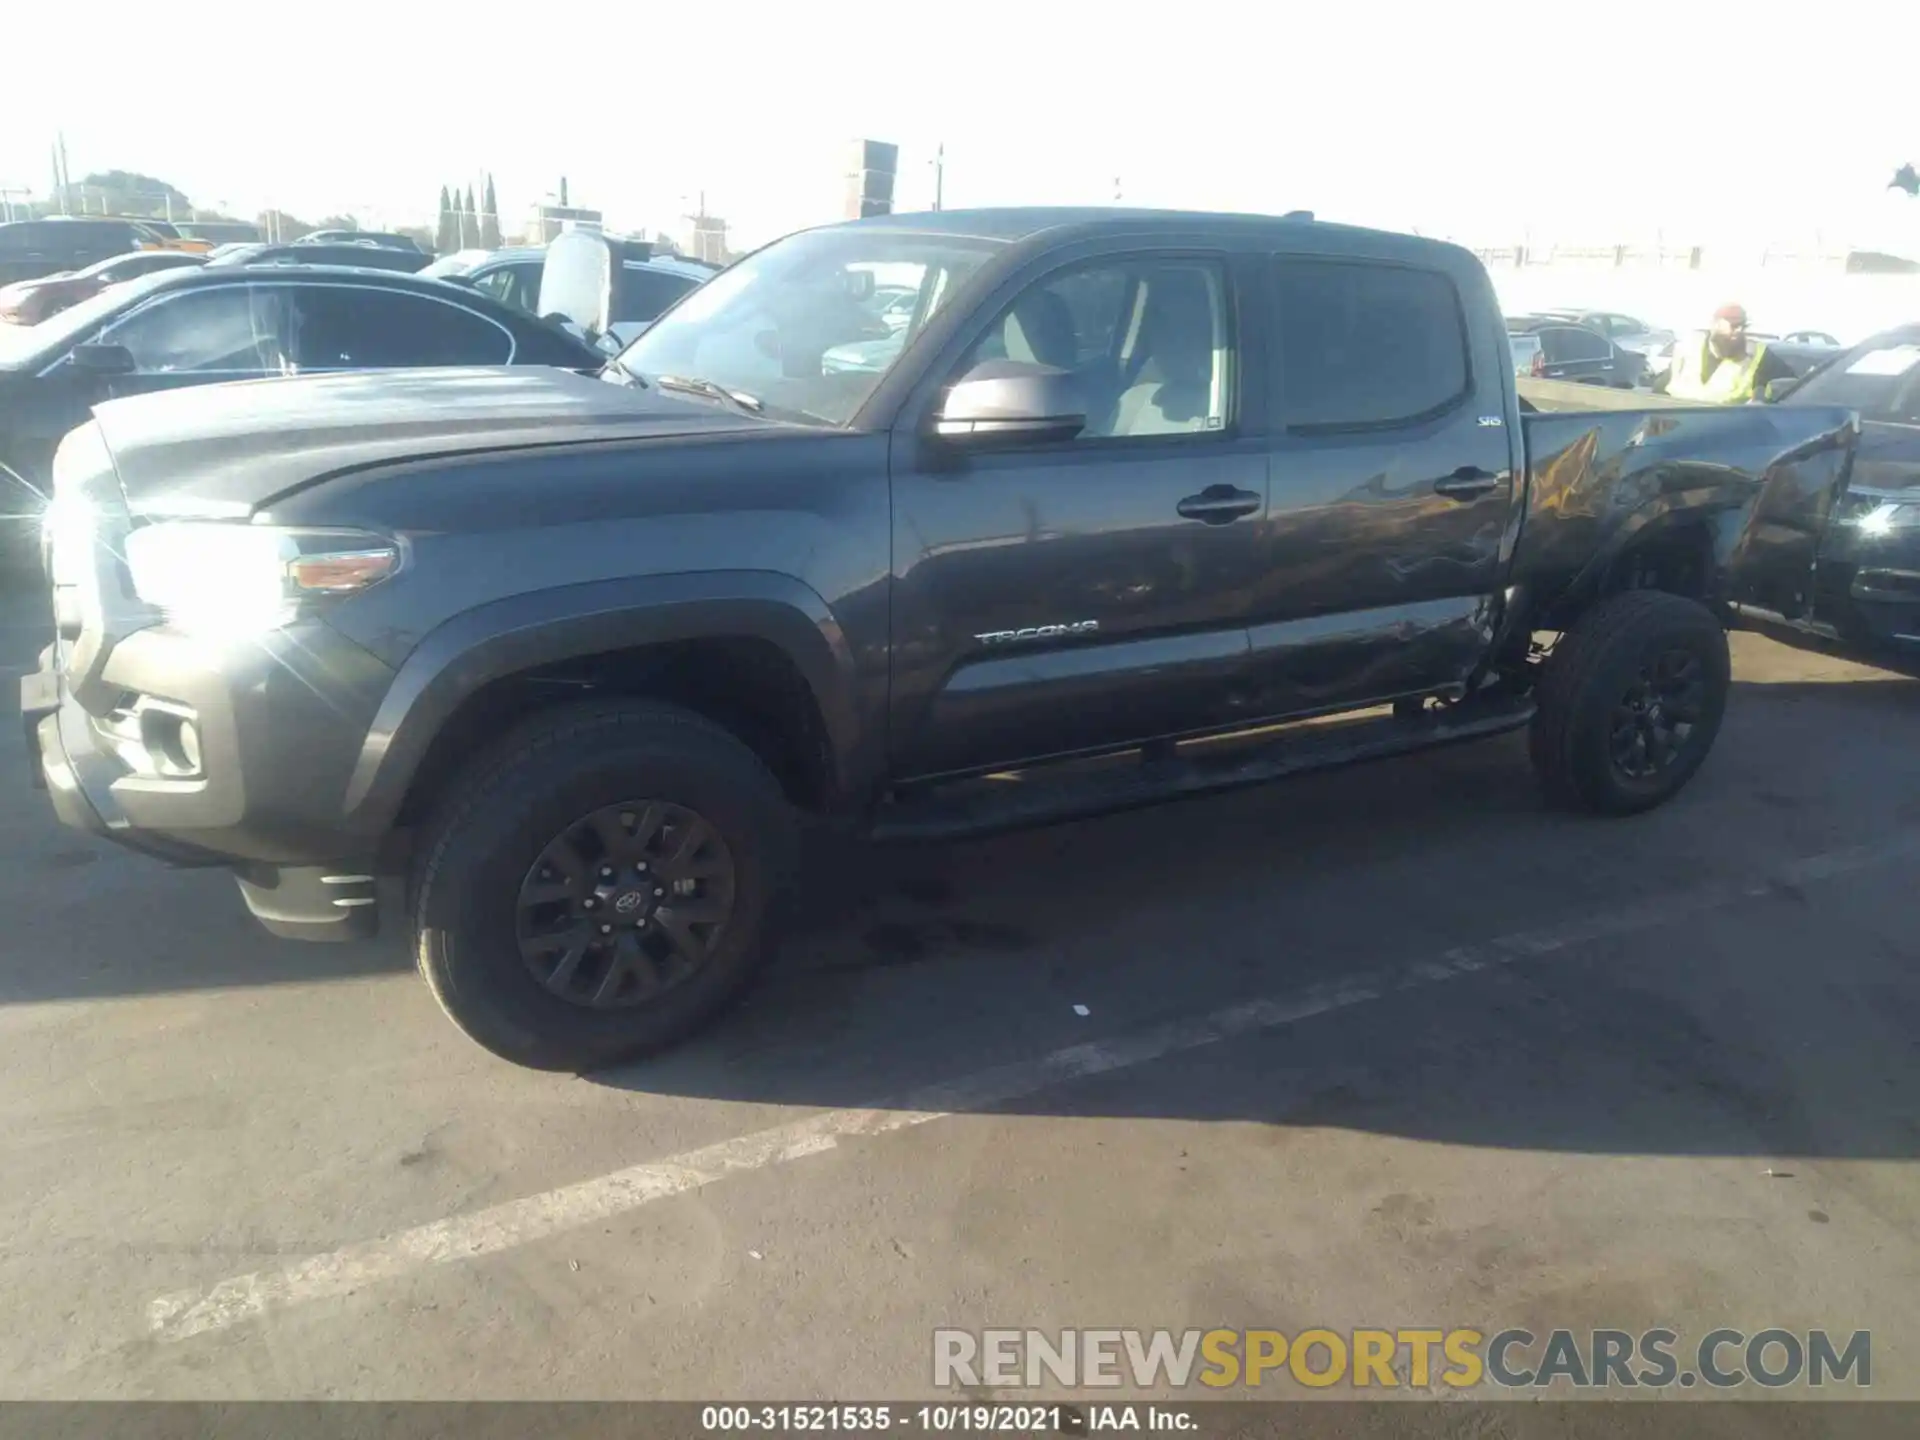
1466, 483
1219, 505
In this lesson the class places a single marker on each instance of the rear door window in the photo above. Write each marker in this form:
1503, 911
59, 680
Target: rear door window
1364, 344
356, 327
645, 294
1581, 345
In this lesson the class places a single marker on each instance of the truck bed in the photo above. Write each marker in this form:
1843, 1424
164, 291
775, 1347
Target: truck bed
1737, 495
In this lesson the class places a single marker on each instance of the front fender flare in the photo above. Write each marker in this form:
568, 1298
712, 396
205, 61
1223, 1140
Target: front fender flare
523, 632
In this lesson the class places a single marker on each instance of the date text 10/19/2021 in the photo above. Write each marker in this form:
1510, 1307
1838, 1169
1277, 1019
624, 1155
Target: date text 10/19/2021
941, 1419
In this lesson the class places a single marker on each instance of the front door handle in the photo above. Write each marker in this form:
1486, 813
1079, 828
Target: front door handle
1219, 505
1466, 483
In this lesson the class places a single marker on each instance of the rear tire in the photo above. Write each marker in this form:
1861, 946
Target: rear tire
602, 968
1630, 703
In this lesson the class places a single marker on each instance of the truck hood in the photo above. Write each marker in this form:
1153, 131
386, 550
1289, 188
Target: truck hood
224, 451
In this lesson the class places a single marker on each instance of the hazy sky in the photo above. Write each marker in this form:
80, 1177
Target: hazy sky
1480, 121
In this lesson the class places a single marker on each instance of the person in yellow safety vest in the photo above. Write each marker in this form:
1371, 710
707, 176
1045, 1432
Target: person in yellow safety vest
1722, 367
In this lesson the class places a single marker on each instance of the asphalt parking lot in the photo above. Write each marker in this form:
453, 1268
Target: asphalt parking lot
1385, 1047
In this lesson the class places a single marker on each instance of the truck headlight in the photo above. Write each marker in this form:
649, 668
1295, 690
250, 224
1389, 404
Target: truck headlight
228, 578
1885, 519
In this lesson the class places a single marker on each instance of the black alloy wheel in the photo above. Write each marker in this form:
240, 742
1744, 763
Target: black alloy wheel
1656, 716
564, 926
1629, 702
625, 904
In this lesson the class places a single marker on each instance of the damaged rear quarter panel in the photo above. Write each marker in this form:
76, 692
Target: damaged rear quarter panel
1751, 486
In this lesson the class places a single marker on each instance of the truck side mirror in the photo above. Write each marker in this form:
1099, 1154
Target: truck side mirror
1011, 401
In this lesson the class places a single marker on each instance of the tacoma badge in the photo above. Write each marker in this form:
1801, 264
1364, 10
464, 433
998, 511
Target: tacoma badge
1039, 632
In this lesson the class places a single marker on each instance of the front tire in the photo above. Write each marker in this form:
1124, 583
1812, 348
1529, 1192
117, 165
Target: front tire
600, 890
1630, 703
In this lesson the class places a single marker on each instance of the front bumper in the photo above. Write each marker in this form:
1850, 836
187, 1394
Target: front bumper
276, 727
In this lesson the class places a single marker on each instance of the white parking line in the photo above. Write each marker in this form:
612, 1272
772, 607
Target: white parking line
521, 1222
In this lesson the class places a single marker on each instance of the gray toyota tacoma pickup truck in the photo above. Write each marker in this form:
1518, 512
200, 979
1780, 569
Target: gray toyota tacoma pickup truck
577, 656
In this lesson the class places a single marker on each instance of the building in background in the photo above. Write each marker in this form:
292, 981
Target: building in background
708, 239
548, 221
870, 179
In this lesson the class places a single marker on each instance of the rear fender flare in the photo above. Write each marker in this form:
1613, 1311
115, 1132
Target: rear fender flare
524, 632
1724, 520
1761, 486
1529, 608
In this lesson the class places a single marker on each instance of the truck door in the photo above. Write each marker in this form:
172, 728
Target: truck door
1084, 592
1392, 485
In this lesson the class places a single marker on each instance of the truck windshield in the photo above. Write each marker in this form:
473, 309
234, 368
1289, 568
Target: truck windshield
765, 326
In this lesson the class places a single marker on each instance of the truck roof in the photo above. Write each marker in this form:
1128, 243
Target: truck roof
1021, 222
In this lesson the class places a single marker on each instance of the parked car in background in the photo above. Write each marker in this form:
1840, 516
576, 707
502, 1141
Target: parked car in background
30, 249
390, 238
457, 263
170, 236
1868, 582
1660, 361
512, 276
218, 323
1528, 356
221, 232
28, 302
1625, 331
1802, 351
1577, 353
368, 257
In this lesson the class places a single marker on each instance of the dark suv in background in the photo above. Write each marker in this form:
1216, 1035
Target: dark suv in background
32, 248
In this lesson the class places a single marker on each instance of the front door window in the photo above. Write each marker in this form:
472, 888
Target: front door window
227, 329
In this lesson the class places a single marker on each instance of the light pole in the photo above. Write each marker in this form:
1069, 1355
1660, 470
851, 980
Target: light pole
939, 174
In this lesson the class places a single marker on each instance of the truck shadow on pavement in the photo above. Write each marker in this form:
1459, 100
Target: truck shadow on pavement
1784, 1023
1787, 1024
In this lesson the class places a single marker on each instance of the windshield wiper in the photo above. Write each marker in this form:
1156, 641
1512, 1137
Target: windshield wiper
695, 385
618, 366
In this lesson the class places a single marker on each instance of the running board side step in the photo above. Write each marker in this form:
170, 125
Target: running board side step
1048, 795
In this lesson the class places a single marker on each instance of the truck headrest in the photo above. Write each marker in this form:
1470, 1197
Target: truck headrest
582, 277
